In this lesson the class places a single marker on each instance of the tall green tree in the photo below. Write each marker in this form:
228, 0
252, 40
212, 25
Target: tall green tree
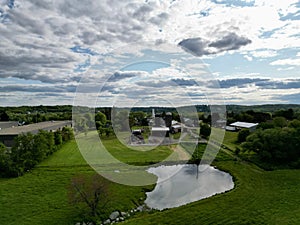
67, 134
100, 117
22, 154
275, 146
5, 160
280, 121
205, 130
242, 135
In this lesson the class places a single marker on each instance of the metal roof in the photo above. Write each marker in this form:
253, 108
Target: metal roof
244, 124
35, 127
160, 129
7, 124
230, 128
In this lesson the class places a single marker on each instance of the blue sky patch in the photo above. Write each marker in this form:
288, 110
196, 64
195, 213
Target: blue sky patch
82, 50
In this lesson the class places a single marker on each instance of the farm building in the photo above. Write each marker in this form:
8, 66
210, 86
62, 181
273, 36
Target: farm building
241, 125
175, 128
7, 135
8, 124
160, 131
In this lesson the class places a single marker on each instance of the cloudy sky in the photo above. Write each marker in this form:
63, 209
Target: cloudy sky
110, 52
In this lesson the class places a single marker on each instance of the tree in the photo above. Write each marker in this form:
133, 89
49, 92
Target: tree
139, 118
101, 118
90, 194
29, 150
22, 154
275, 146
58, 138
294, 123
4, 116
288, 114
280, 121
40, 148
205, 130
266, 125
242, 135
4, 160
67, 134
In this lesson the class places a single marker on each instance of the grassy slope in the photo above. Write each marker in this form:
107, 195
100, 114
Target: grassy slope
40, 196
260, 197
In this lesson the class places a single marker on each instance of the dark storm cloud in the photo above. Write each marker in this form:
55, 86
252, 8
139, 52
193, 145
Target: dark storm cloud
195, 46
184, 82
240, 82
290, 98
154, 84
120, 75
37, 88
199, 47
277, 84
230, 42
168, 83
258, 82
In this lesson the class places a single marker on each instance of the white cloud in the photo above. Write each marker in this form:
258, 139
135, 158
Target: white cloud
288, 68
283, 7
249, 58
36, 36
264, 53
284, 62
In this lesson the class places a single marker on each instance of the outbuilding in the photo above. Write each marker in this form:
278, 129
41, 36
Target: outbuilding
246, 125
7, 135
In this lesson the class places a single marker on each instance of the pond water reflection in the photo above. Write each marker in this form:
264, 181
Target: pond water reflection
181, 184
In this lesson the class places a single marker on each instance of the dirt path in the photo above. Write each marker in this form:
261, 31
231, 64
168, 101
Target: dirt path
182, 154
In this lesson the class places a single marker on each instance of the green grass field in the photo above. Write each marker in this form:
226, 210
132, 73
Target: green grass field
40, 196
259, 197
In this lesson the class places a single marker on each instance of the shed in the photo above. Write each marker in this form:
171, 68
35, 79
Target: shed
246, 125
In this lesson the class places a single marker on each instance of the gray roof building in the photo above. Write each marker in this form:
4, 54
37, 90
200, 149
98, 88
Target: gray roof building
240, 125
7, 135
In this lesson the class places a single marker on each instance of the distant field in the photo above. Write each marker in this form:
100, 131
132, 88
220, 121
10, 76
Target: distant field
260, 197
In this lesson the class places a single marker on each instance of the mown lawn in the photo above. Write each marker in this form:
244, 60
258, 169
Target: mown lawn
259, 197
230, 139
41, 195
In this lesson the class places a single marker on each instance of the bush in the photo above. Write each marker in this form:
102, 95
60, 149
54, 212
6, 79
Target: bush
205, 130
242, 135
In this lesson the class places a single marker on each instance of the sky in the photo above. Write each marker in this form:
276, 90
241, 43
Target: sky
142, 53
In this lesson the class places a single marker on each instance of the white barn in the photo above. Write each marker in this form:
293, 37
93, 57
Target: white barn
240, 125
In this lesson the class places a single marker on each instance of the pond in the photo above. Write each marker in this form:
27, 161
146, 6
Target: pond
181, 184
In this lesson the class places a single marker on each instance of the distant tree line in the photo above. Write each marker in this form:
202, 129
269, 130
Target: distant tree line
29, 150
252, 116
30, 115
